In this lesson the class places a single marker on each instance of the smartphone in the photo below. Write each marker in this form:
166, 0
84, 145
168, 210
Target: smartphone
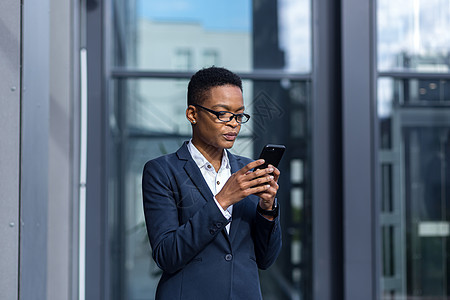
271, 154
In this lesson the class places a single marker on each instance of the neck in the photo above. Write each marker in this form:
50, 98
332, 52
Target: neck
212, 154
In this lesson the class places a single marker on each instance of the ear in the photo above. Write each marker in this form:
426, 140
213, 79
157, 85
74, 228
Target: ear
191, 114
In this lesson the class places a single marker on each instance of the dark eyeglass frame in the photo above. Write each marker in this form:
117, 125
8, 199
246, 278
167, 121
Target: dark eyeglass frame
218, 113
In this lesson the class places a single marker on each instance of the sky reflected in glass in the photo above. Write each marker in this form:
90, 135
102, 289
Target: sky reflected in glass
217, 15
413, 35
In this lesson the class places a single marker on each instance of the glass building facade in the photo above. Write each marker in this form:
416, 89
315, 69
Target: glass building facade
357, 90
413, 111
156, 47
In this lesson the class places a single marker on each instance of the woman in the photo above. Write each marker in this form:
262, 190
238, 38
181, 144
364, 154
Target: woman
211, 220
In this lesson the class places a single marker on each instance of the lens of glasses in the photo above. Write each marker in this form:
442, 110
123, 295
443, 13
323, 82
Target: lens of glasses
227, 117
241, 118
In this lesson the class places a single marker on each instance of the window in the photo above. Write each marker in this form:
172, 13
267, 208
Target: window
414, 148
183, 59
270, 43
211, 58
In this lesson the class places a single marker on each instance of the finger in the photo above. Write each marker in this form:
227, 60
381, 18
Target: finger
251, 166
273, 185
259, 173
270, 179
276, 172
271, 192
275, 169
258, 189
262, 180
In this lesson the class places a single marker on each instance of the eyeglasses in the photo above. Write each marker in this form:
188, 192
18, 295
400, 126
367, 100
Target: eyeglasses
227, 116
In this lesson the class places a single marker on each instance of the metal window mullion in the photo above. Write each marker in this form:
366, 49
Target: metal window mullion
361, 211
118, 73
414, 75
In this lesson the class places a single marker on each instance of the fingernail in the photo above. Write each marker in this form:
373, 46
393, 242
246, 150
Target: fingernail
271, 177
270, 170
267, 186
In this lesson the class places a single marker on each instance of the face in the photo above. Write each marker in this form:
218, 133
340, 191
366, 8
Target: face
209, 133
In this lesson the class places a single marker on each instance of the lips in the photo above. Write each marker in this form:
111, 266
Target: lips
230, 136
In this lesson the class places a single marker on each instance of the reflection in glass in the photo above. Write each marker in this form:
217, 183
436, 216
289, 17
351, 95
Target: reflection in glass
413, 35
414, 160
158, 106
186, 35
149, 121
414, 139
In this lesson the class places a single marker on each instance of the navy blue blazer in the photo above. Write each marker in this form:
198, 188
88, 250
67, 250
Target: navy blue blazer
188, 236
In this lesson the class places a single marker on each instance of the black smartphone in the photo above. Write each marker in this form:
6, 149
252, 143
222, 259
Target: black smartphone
271, 154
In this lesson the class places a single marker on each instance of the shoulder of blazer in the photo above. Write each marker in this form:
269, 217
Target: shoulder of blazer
181, 154
170, 160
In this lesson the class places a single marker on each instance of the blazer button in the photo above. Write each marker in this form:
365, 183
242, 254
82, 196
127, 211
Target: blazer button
228, 257
212, 231
218, 224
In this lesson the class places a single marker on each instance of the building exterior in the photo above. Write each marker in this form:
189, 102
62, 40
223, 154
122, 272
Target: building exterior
357, 90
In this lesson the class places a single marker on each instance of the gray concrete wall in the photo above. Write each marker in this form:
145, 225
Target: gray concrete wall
38, 150
10, 87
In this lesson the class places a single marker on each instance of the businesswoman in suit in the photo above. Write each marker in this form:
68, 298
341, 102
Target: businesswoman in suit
211, 220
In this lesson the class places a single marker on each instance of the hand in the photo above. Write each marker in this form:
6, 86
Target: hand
267, 197
244, 183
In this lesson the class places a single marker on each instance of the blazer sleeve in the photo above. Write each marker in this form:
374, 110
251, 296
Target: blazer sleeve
175, 244
267, 240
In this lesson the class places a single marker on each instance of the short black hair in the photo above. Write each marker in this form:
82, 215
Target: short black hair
207, 78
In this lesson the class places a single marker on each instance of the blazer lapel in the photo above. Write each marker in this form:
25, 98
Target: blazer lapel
194, 173
236, 165
196, 176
